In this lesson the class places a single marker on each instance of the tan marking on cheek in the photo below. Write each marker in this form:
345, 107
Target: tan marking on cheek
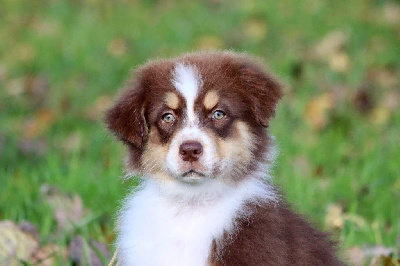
239, 147
211, 99
153, 158
171, 100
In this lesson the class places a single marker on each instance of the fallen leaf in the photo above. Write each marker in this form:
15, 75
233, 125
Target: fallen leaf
39, 123
391, 101
78, 254
334, 217
255, 29
330, 44
24, 52
117, 47
302, 165
385, 77
36, 87
72, 143
391, 11
363, 100
96, 110
47, 255
356, 256
317, 110
209, 42
380, 115
339, 61
15, 87
32, 146
68, 210
16, 245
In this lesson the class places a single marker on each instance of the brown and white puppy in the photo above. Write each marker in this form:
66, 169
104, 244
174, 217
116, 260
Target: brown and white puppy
195, 127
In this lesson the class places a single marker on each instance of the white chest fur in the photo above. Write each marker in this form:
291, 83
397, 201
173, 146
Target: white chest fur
175, 224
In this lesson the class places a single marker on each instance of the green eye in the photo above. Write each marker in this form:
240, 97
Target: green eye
218, 115
168, 118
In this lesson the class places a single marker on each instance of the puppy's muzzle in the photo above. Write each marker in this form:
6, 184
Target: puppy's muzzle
191, 151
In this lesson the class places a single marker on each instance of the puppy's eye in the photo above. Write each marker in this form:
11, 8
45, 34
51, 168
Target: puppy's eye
168, 118
218, 115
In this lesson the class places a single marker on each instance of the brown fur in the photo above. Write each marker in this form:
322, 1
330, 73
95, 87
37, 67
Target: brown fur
275, 236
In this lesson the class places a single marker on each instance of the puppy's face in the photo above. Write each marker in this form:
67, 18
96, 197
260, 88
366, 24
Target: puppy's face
196, 118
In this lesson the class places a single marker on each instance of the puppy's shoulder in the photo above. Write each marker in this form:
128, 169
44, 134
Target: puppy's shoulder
275, 235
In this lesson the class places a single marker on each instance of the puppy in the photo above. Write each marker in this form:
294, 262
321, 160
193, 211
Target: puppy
196, 132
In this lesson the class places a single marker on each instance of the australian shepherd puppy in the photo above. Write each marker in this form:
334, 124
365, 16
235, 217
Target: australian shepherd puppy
196, 131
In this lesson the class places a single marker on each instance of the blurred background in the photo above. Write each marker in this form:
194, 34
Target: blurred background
62, 63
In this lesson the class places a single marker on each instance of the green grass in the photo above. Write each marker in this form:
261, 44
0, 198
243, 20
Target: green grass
352, 161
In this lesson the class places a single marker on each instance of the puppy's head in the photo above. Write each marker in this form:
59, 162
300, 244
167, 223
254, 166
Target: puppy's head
195, 118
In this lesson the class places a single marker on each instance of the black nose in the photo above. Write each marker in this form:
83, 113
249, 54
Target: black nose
190, 150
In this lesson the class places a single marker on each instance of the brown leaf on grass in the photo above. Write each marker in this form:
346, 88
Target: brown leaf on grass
317, 110
16, 245
391, 12
96, 110
47, 255
339, 61
83, 253
302, 166
39, 123
15, 87
363, 100
36, 146
209, 42
36, 87
255, 29
72, 143
68, 210
117, 47
380, 115
375, 255
356, 256
384, 77
334, 217
391, 100
329, 45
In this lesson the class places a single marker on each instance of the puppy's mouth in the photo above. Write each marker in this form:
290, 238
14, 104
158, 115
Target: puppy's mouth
193, 173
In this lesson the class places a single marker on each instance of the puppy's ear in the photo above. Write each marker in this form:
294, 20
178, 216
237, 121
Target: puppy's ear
262, 89
127, 119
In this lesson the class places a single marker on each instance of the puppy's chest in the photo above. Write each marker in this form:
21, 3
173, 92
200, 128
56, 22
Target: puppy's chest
159, 232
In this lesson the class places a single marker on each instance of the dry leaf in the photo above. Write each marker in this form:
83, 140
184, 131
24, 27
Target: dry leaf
16, 245
47, 255
356, 256
96, 110
77, 252
68, 210
15, 87
363, 100
37, 87
384, 77
32, 147
317, 110
339, 61
392, 12
334, 217
24, 52
39, 123
302, 166
380, 115
330, 44
117, 47
209, 42
392, 100
255, 29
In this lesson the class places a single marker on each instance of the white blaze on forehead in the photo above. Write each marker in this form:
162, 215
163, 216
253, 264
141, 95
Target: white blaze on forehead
187, 81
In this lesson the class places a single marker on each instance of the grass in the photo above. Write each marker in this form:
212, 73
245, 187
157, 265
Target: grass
84, 50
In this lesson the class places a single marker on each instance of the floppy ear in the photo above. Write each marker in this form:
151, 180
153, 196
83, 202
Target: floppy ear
126, 118
262, 89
